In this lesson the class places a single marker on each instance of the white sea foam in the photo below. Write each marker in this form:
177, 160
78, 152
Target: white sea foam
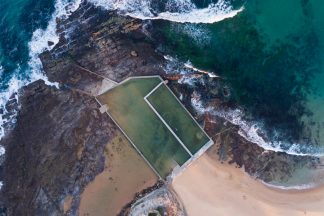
251, 131
199, 34
2, 150
189, 65
181, 11
13, 86
292, 187
176, 10
197, 103
1, 70
174, 66
38, 44
41, 37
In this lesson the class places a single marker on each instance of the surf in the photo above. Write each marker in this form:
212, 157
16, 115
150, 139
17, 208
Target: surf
179, 11
251, 131
34, 71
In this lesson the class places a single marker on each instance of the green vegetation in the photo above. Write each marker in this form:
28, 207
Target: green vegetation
166, 104
127, 106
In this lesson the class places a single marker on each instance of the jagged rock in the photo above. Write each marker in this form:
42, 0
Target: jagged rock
102, 45
56, 146
50, 43
42, 163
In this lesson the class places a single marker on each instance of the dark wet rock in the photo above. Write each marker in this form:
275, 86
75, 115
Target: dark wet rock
56, 146
11, 105
50, 43
9, 113
268, 166
42, 164
101, 42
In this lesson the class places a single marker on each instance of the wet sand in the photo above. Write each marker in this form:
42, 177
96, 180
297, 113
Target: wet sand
125, 174
208, 187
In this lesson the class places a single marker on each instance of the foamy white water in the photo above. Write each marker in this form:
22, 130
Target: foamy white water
200, 34
251, 131
181, 11
189, 65
41, 37
292, 187
13, 86
2, 150
248, 130
38, 44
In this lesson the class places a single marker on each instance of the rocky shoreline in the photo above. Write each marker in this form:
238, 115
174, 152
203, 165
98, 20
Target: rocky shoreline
56, 146
127, 207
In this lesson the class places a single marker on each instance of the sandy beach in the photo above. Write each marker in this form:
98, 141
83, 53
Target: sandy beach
125, 174
208, 187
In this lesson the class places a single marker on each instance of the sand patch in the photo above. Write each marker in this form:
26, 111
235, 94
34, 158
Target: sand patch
208, 187
67, 203
125, 174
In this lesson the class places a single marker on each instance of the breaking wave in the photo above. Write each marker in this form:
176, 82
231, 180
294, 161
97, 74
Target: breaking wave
293, 187
181, 11
198, 33
37, 44
253, 132
41, 37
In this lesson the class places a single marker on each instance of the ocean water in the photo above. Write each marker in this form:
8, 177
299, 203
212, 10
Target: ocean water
18, 21
271, 56
27, 27
270, 53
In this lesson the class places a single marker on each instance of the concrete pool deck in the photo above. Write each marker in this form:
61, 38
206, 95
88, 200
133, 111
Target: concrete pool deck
193, 155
